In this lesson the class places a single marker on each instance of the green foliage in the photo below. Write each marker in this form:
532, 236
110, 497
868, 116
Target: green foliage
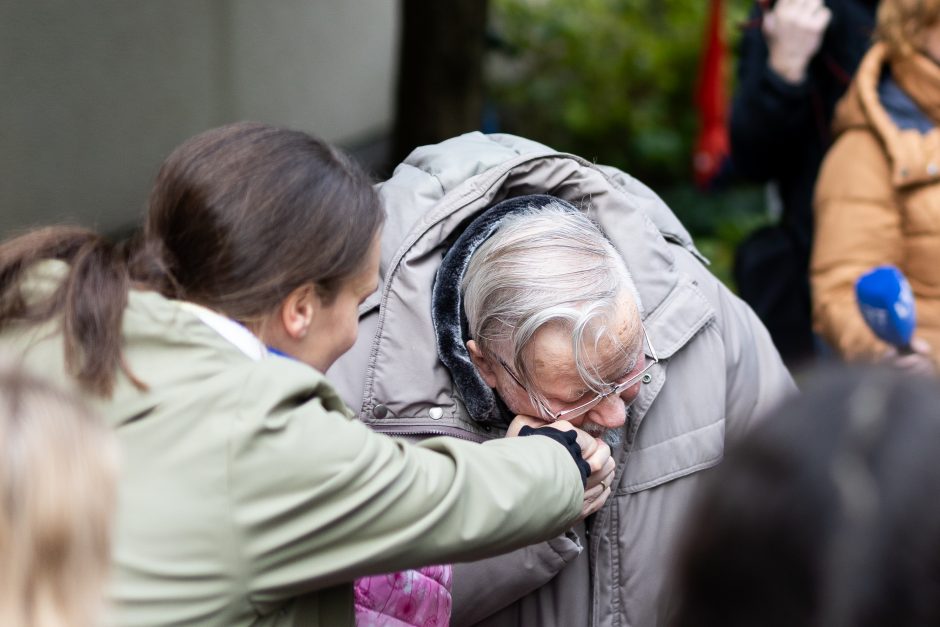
718, 221
614, 81
607, 79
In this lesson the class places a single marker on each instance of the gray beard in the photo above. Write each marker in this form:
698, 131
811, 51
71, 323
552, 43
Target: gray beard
613, 437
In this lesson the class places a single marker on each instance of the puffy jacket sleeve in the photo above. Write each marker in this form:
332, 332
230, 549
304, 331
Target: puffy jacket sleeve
757, 379
768, 115
319, 499
858, 226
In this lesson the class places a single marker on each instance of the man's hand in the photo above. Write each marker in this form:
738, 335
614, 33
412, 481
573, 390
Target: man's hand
595, 452
920, 362
794, 31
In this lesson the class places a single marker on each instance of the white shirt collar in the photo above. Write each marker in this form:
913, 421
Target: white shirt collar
235, 333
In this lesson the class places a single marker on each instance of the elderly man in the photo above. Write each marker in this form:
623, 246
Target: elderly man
496, 302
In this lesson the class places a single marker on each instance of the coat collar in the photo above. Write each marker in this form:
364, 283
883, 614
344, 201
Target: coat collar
447, 310
919, 77
914, 156
233, 332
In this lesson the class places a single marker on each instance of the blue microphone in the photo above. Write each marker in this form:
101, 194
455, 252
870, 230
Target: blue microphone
887, 304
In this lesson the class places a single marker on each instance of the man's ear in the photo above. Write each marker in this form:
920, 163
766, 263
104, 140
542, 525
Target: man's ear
299, 310
483, 364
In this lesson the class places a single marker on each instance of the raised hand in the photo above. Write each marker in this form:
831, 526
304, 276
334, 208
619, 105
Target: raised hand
794, 31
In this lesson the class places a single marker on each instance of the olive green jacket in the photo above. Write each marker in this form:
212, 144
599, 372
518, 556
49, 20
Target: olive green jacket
248, 496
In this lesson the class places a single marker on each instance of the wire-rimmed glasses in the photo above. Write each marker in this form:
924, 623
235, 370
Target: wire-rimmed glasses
614, 389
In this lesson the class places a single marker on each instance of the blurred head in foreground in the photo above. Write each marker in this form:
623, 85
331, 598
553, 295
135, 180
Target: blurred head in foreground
57, 484
826, 515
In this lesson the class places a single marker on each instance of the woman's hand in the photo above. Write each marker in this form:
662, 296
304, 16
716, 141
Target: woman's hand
594, 451
919, 362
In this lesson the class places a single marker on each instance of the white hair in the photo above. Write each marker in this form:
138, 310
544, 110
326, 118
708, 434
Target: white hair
546, 265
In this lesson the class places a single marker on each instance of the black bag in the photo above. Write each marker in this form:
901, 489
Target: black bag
771, 270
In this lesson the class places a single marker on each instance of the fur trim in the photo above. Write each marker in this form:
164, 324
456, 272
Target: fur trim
450, 321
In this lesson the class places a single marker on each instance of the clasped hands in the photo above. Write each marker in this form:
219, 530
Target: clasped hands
594, 451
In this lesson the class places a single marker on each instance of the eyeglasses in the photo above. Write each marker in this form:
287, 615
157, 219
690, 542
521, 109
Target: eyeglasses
614, 389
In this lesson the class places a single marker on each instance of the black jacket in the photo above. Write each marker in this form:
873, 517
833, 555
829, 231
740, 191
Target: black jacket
780, 132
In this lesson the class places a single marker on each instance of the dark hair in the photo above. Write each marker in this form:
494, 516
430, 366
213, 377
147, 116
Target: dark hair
825, 515
239, 217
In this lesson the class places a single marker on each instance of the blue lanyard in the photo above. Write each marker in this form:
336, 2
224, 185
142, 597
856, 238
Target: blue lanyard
274, 351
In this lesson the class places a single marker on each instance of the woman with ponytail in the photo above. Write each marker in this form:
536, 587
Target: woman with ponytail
248, 495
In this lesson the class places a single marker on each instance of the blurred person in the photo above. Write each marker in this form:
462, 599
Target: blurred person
588, 303
825, 515
58, 475
796, 60
248, 493
878, 196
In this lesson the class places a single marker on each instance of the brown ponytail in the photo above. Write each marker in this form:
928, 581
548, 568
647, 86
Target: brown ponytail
238, 218
91, 299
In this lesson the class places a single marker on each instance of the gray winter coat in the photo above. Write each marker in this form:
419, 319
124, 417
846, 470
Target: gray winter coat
718, 373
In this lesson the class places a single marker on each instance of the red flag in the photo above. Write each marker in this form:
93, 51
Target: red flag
712, 145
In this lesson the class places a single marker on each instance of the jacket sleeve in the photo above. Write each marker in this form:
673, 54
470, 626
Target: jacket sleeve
858, 226
757, 380
319, 499
485, 587
768, 115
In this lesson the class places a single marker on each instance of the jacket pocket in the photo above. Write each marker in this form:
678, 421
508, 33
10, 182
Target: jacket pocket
682, 429
674, 458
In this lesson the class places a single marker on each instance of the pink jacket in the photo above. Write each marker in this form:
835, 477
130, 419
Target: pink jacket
411, 598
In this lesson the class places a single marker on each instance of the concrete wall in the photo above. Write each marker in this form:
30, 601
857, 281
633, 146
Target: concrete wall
94, 94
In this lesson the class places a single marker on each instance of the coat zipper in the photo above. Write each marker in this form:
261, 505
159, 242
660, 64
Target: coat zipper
421, 431
431, 433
